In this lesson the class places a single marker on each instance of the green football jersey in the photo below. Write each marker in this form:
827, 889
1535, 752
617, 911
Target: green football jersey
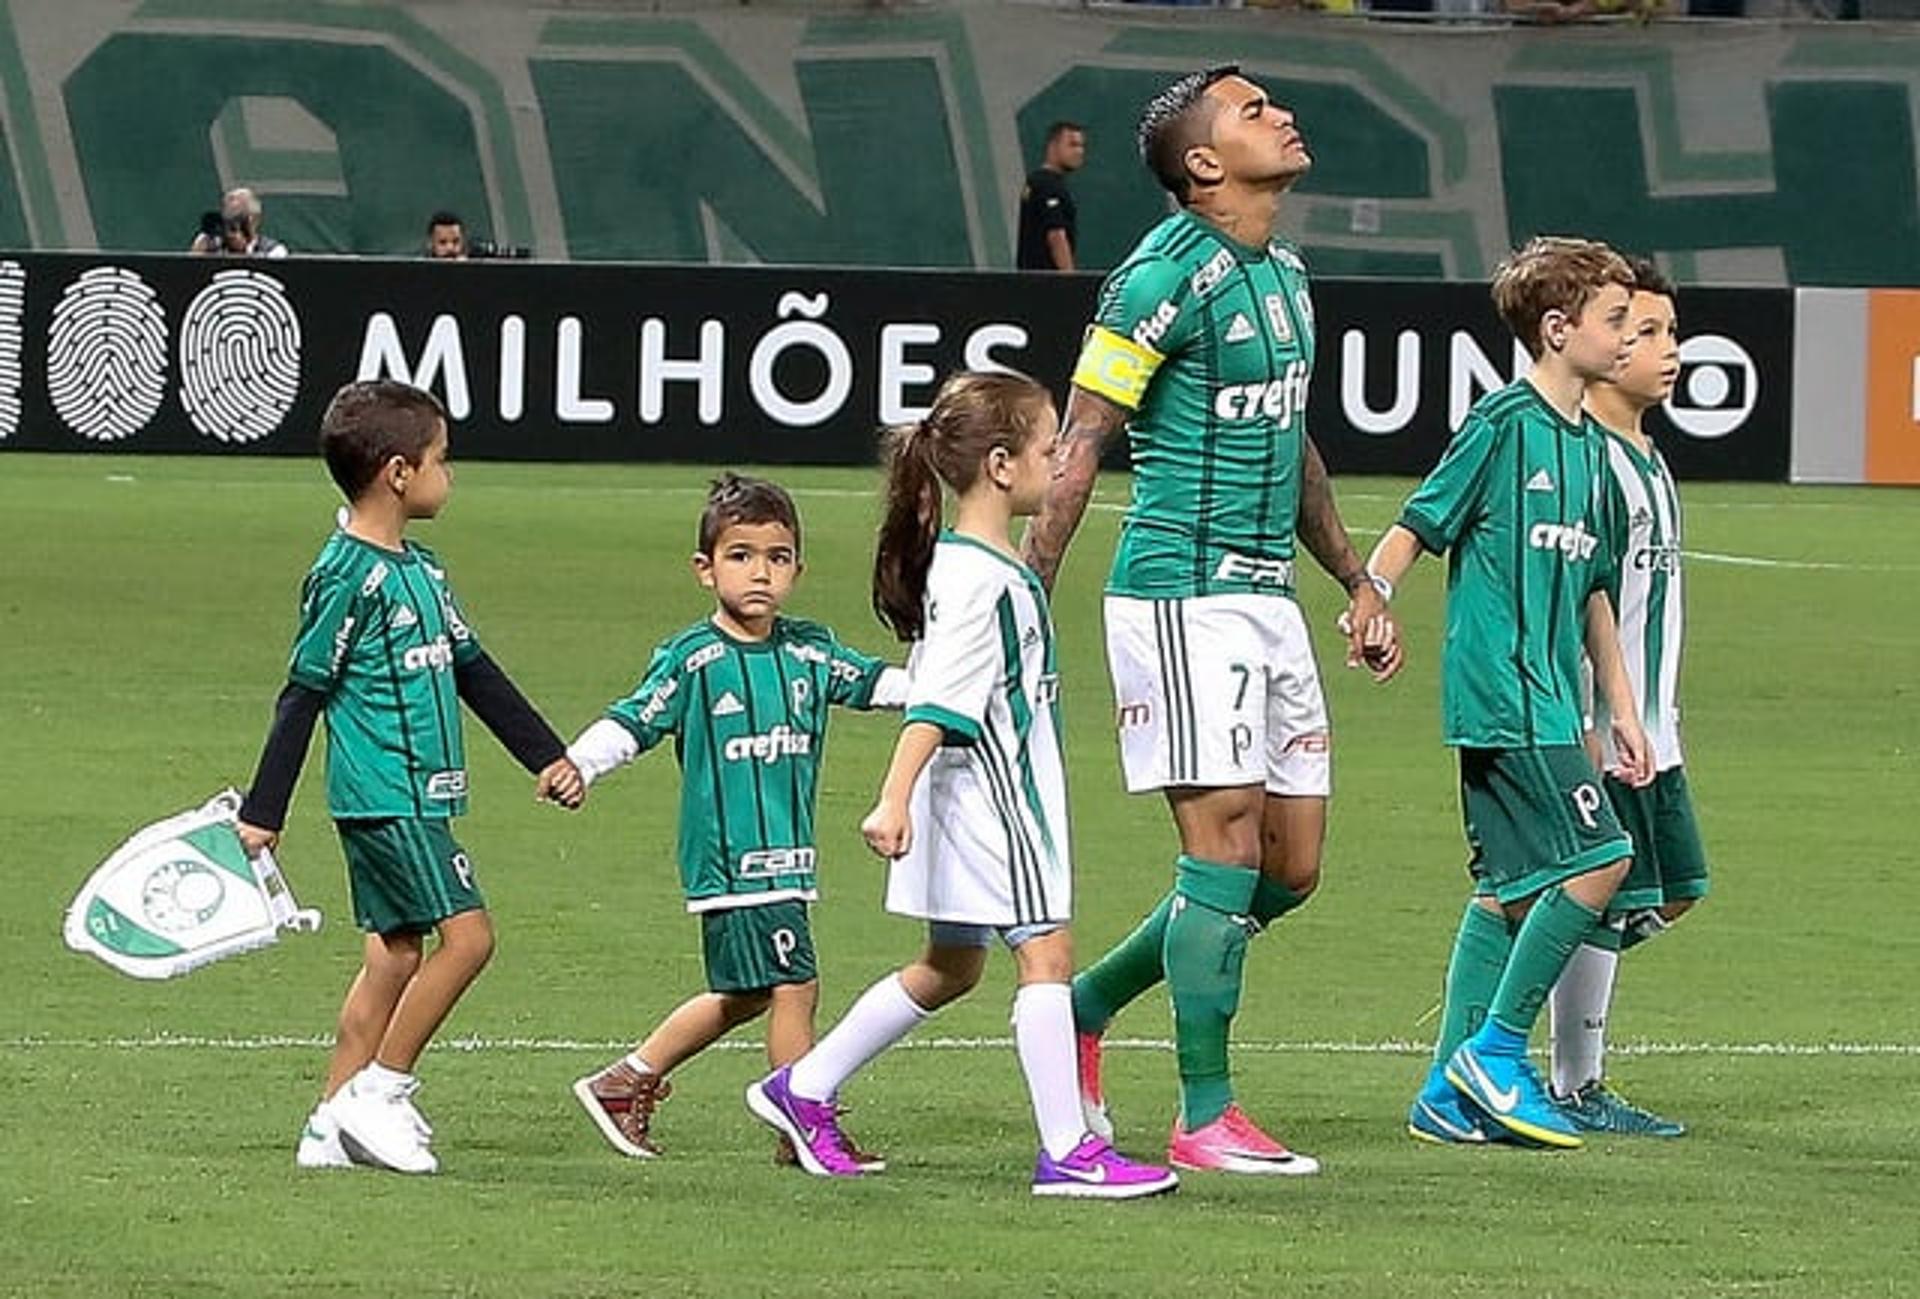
749, 723
1523, 506
380, 635
1209, 344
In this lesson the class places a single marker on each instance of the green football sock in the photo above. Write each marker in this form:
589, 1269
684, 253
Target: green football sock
1133, 965
1206, 948
1272, 900
1480, 952
1546, 941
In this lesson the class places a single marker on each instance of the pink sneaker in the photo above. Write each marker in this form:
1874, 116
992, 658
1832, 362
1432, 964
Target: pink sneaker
1093, 1104
1232, 1144
1096, 1171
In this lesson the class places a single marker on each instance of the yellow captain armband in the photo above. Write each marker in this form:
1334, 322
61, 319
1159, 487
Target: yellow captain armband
1115, 367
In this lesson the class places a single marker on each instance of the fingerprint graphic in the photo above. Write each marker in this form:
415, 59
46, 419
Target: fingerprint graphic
239, 357
13, 301
107, 355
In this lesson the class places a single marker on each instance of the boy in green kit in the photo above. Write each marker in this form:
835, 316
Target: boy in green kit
745, 695
385, 651
1521, 505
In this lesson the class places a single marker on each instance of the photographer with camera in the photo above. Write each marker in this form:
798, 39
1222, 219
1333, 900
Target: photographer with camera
447, 242
234, 231
446, 238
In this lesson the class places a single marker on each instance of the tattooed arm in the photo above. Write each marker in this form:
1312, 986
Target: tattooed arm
1091, 422
1319, 527
1372, 637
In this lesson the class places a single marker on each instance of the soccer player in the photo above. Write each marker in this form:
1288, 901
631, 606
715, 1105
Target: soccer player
384, 650
1202, 347
1520, 504
973, 811
1669, 872
744, 694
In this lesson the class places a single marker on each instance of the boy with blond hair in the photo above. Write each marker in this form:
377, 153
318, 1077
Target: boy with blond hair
1521, 506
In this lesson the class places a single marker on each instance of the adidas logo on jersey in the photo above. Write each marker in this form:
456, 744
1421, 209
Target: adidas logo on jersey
1241, 329
1540, 482
728, 705
403, 618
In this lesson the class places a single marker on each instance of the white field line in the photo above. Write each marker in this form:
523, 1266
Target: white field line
1754, 561
537, 1045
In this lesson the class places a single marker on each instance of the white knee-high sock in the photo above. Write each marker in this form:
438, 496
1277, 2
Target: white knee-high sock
1043, 1034
1581, 1000
883, 1015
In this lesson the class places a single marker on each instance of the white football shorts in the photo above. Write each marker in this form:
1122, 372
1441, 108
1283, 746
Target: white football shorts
1217, 691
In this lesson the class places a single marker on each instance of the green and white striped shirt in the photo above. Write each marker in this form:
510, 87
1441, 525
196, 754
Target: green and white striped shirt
1651, 601
989, 812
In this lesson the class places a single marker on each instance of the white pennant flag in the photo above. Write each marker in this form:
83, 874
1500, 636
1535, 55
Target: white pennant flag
181, 894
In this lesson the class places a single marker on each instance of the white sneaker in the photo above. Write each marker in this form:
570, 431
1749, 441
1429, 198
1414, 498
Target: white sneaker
320, 1142
381, 1127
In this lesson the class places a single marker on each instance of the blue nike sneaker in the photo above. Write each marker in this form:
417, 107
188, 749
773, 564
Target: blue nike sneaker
1510, 1093
1444, 1117
1598, 1108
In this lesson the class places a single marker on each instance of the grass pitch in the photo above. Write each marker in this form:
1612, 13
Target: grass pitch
146, 1132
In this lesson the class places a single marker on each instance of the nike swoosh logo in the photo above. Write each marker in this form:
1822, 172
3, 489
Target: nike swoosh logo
1096, 1174
1459, 1133
1502, 1101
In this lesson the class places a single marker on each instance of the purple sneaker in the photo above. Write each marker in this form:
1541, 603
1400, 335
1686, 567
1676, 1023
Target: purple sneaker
812, 1126
1096, 1171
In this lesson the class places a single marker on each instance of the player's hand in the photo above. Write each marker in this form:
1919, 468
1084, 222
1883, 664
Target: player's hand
1373, 636
888, 830
1636, 753
562, 783
254, 839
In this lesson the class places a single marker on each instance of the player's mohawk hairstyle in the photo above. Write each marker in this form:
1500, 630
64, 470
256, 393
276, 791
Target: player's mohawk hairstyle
1173, 122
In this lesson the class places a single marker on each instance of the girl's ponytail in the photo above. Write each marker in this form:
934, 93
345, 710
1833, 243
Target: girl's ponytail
908, 532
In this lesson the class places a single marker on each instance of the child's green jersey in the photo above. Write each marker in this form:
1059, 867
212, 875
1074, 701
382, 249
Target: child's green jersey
1523, 504
380, 635
749, 724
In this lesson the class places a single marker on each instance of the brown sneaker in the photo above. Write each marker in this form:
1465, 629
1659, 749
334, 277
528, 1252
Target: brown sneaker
620, 1100
783, 1156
